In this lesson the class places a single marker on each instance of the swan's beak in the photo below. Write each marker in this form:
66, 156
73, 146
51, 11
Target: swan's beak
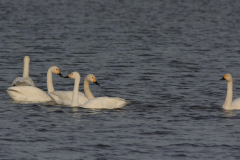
69, 76
96, 83
224, 77
60, 74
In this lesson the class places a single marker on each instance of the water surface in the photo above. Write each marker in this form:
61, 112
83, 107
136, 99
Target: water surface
165, 57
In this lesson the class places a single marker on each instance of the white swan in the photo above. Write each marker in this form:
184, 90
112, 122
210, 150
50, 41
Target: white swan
31, 93
229, 104
94, 103
25, 80
64, 97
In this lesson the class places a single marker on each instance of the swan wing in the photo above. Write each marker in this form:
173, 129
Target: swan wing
20, 81
55, 98
105, 103
28, 94
65, 97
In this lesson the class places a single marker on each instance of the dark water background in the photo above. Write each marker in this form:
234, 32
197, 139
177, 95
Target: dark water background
165, 57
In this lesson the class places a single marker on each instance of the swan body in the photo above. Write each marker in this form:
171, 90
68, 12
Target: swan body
95, 103
30, 93
63, 97
105, 103
229, 104
25, 80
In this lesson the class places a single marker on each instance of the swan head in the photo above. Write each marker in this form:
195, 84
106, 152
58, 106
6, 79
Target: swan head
74, 75
26, 59
91, 78
55, 70
227, 77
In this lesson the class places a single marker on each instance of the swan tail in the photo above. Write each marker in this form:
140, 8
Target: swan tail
121, 100
121, 104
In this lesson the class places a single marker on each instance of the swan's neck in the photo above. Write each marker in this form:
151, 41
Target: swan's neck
87, 90
228, 101
75, 93
49, 81
26, 70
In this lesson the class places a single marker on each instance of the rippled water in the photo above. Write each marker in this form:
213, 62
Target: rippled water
165, 57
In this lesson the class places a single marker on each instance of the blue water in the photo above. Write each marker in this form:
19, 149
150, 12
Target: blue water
165, 57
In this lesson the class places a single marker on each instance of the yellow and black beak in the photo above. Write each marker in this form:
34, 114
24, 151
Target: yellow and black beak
95, 81
59, 73
224, 77
69, 76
